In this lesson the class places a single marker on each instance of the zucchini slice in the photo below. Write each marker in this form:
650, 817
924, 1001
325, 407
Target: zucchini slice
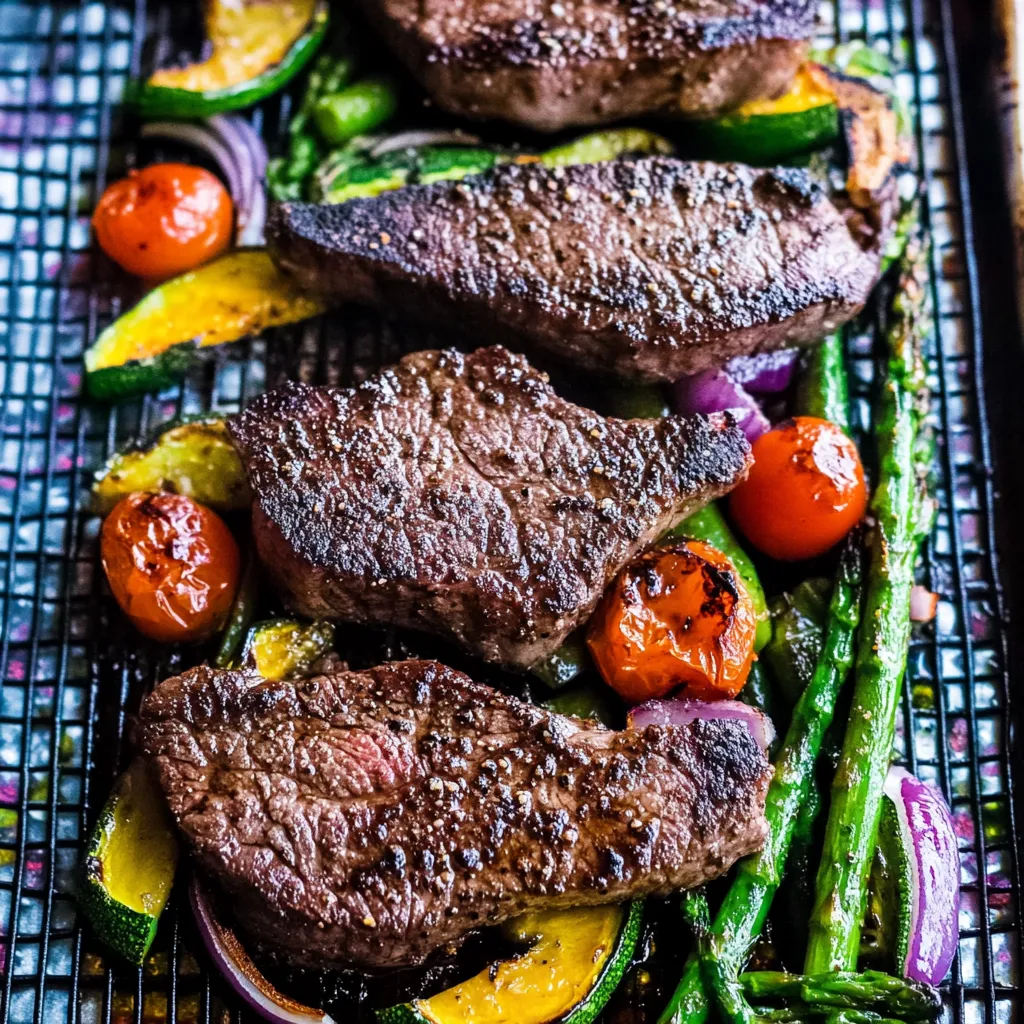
764, 131
575, 961
284, 648
195, 458
347, 174
258, 46
129, 865
598, 147
153, 345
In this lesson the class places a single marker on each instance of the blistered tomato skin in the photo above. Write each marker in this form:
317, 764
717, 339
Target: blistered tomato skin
805, 491
172, 565
164, 220
677, 617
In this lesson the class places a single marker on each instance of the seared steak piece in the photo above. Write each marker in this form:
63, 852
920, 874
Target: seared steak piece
651, 268
460, 495
547, 64
368, 818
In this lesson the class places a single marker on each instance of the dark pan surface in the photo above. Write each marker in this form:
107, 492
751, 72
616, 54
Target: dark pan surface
72, 673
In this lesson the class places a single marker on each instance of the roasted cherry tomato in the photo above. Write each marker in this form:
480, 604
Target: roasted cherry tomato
172, 565
805, 491
164, 220
678, 615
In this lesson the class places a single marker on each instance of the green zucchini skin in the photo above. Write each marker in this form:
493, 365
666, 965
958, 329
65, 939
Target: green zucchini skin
158, 101
346, 175
592, 1005
139, 376
587, 1009
243, 284
766, 138
127, 931
241, 615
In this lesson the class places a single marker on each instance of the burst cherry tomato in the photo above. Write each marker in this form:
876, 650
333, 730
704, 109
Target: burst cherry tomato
805, 491
164, 220
677, 616
172, 565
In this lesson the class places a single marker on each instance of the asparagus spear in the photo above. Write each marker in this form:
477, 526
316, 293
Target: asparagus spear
745, 907
822, 389
286, 175
902, 514
826, 1014
870, 990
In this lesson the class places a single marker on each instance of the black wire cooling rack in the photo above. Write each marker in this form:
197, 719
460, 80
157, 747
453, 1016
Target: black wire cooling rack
72, 673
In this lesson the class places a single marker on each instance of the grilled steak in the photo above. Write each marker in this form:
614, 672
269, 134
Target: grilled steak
459, 495
368, 818
652, 268
548, 65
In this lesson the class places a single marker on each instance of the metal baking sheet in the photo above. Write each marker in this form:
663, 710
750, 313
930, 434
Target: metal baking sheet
71, 671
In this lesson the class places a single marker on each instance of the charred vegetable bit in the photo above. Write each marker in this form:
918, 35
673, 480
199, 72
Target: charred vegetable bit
563, 665
172, 565
607, 145
765, 131
742, 913
585, 702
353, 172
709, 525
678, 615
348, 174
902, 514
354, 110
638, 401
798, 631
195, 458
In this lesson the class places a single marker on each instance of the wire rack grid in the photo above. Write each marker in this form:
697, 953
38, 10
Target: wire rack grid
71, 673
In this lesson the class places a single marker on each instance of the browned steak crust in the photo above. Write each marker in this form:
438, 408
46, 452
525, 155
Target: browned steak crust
368, 818
650, 268
548, 64
460, 495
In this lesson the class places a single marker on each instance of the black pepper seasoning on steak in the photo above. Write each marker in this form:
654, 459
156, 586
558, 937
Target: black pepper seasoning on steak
548, 64
369, 818
458, 494
648, 269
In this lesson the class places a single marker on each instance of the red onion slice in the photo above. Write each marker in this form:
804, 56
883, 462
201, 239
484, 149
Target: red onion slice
765, 373
241, 973
715, 391
251, 157
933, 869
683, 710
242, 157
